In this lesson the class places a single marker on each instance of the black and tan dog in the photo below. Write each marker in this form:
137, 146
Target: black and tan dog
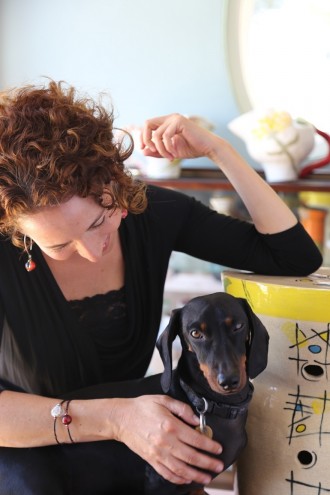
224, 345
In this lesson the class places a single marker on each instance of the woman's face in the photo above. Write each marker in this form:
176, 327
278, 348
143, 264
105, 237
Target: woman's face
77, 227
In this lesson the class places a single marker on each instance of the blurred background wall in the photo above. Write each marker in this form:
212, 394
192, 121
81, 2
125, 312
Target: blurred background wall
152, 56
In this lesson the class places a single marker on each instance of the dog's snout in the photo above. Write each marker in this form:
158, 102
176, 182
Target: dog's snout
229, 382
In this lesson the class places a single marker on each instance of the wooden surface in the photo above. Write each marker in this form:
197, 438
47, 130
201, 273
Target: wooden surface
213, 179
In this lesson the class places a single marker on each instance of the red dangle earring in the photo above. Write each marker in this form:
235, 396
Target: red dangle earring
30, 264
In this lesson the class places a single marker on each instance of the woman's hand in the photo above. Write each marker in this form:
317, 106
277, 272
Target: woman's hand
177, 137
157, 428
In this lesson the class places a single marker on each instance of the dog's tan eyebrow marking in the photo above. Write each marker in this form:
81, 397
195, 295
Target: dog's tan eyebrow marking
203, 327
228, 321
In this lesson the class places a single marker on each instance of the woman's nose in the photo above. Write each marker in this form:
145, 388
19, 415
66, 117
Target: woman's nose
91, 251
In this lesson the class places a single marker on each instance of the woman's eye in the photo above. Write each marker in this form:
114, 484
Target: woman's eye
99, 223
57, 249
196, 334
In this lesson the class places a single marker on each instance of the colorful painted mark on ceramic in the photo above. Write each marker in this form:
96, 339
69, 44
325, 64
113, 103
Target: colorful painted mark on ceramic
312, 353
310, 350
307, 415
299, 488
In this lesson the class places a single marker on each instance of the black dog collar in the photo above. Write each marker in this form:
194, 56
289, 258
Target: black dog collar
225, 411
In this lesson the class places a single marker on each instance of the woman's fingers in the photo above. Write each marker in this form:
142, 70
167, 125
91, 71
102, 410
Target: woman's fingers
169, 475
178, 408
165, 137
147, 133
185, 444
183, 450
175, 136
188, 474
159, 136
196, 440
160, 430
186, 463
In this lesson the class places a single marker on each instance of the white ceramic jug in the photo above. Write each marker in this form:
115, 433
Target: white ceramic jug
279, 143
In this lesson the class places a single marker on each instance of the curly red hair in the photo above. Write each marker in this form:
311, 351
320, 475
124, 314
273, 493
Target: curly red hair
55, 145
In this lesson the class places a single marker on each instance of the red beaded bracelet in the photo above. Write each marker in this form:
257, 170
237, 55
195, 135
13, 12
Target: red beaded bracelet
58, 412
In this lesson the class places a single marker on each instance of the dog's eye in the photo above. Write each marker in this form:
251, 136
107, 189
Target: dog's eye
196, 334
238, 327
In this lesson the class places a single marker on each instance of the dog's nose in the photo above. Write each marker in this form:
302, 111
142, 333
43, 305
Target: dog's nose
229, 382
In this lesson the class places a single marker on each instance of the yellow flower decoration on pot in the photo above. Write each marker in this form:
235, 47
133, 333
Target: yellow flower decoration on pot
272, 123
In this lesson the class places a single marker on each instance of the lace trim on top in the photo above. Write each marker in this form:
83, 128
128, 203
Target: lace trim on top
104, 317
101, 308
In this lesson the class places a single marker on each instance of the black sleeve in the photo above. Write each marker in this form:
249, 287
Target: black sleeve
205, 234
5, 384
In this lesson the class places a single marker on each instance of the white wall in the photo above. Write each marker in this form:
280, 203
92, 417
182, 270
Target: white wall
153, 56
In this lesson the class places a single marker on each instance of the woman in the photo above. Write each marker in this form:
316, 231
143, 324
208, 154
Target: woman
83, 260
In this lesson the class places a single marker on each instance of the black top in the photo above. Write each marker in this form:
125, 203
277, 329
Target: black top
45, 350
103, 318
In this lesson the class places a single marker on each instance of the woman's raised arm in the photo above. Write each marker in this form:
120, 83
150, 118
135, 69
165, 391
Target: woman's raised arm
175, 136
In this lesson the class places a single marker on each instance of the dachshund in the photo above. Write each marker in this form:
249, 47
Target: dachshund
224, 345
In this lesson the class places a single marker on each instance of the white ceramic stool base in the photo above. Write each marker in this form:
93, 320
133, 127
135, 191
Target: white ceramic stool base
288, 451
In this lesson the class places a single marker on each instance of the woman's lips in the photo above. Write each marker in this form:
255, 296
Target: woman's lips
106, 244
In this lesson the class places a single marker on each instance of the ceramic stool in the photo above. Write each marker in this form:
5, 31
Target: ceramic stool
288, 451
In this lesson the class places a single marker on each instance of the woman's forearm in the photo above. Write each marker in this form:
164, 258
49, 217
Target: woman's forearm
177, 451
26, 420
268, 212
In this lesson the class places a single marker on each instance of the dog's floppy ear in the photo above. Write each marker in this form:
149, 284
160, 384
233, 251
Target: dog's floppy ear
257, 352
164, 346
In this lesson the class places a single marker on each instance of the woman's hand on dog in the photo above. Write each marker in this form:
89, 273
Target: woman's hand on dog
159, 429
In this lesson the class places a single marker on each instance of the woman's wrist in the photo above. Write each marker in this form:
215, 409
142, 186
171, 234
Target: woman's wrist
118, 416
223, 154
92, 420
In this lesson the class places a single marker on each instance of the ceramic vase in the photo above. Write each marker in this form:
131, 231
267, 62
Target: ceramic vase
288, 451
276, 141
162, 168
282, 171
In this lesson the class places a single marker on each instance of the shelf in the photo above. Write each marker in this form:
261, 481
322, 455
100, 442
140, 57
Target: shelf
212, 179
